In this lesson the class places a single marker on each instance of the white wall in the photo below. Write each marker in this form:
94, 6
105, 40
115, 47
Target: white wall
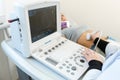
99, 14
2, 16
8, 7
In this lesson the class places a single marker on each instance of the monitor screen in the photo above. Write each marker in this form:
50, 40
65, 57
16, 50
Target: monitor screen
43, 21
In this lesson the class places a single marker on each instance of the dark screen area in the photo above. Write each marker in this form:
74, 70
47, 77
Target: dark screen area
42, 22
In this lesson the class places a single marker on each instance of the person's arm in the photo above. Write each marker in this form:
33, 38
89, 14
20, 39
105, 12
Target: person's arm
101, 44
112, 48
96, 66
111, 67
94, 70
95, 62
92, 74
108, 48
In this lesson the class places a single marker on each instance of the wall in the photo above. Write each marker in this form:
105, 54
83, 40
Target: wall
1, 11
8, 7
98, 14
101, 15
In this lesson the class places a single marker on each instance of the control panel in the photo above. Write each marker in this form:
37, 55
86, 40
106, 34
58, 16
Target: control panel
64, 57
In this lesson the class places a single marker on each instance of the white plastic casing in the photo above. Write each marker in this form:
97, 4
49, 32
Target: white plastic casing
21, 35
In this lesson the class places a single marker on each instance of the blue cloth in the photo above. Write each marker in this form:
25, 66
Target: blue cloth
73, 33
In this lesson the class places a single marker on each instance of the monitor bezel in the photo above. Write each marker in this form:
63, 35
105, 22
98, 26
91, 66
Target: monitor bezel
41, 42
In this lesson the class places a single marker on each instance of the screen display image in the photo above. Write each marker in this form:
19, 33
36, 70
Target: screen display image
43, 22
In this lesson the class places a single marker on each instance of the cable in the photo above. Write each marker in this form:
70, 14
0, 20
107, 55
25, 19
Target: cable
98, 41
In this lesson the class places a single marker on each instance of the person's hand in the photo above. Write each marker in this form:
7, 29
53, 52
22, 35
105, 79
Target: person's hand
63, 18
95, 35
92, 55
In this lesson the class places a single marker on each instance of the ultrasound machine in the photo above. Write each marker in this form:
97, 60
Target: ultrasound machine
36, 33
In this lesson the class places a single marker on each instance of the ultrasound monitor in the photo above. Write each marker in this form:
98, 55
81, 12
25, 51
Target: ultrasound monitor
43, 21
39, 24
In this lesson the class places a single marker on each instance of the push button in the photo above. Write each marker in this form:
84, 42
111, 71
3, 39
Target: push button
74, 68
